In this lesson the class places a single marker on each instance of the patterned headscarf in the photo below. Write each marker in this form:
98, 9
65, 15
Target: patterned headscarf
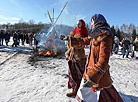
100, 24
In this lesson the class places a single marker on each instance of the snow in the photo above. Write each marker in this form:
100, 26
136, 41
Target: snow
45, 80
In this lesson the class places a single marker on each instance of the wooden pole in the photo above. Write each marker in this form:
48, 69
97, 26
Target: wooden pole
50, 17
61, 12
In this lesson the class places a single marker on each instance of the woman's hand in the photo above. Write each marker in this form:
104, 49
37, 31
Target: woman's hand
87, 83
64, 37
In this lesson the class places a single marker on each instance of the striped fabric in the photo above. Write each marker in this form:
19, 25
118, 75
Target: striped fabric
79, 99
110, 95
75, 72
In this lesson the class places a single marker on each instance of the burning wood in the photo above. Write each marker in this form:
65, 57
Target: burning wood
39, 54
43, 52
47, 53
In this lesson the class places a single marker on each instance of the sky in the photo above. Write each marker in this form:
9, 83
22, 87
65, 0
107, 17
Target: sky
117, 12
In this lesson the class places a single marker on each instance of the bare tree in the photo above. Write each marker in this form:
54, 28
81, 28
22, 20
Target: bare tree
21, 20
131, 28
31, 22
124, 28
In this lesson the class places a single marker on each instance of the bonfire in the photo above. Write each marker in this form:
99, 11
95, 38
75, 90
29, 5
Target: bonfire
49, 43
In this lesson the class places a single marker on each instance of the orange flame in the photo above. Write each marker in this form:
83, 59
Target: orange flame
48, 53
52, 50
55, 53
40, 53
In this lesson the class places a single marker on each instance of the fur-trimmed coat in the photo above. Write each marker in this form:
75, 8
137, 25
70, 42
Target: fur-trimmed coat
75, 54
135, 46
97, 68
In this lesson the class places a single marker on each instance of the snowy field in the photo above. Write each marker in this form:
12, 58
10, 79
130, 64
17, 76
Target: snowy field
45, 80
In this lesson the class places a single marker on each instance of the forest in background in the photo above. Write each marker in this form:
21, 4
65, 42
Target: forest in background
123, 31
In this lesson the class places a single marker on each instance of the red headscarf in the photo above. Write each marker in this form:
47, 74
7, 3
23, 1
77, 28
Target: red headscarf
82, 31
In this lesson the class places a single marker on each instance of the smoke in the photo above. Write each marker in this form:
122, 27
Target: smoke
50, 38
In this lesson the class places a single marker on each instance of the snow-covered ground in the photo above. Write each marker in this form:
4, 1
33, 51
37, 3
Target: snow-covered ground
45, 80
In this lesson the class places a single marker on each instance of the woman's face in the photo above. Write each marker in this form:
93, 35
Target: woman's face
92, 24
79, 24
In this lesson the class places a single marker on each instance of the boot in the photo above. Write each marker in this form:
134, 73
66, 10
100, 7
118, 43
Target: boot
127, 57
70, 94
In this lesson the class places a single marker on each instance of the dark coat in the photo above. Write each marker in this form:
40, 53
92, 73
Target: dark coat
135, 46
22, 36
7, 36
15, 37
126, 44
2, 35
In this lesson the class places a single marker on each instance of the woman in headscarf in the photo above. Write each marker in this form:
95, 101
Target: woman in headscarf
97, 75
76, 58
135, 44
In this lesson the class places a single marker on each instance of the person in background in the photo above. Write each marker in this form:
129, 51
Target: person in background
96, 77
131, 44
116, 45
18, 37
30, 35
126, 46
122, 45
27, 38
2, 36
35, 40
7, 38
15, 39
22, 38
76, 58
135, 44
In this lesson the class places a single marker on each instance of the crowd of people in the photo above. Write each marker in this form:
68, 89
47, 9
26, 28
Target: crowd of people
19, 38
128, 46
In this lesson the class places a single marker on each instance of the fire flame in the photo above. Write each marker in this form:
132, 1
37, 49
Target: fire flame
50, 52
40, 53
55, 53
46, 52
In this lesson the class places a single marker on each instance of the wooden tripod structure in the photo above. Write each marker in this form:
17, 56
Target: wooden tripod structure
52, 19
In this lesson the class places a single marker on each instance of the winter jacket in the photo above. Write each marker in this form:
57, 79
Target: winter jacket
27, 38
97, 68
77, 54
15, 37
135, 46
116, 41
18, 36
7, 36
2, 35
30, 36
22, 36
126, 44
